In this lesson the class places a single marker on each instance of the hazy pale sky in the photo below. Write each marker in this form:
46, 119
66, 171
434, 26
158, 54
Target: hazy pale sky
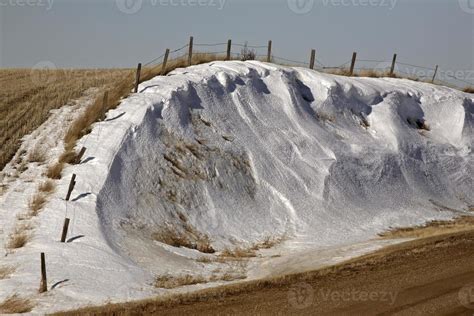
121, 33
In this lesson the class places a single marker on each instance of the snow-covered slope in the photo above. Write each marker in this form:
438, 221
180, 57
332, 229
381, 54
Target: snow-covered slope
242, 153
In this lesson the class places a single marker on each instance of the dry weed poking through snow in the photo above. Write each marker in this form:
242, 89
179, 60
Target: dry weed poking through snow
185, 236
15, 305
37, 155
469, 90
170, 282
5, 272
46, 187
19, 237
54, 171
432, 228
36, 203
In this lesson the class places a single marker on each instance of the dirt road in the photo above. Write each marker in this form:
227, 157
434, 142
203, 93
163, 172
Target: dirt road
429, 276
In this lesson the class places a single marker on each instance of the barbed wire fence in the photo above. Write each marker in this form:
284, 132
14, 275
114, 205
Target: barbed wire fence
202, 52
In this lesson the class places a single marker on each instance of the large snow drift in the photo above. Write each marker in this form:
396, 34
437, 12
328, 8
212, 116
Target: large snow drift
249, 150
239, 153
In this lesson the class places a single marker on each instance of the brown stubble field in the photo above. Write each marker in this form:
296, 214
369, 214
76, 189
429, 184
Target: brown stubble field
27, 96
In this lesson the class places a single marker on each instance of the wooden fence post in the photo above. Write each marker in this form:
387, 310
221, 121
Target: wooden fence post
434, 75
165, 61
392, 68
71, 186
65, 228
354, 56
269, 54
229, 46
137, 78
80, 154
190, 54
44, 284
312, 59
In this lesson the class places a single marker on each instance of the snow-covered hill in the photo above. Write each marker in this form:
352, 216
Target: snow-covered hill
235, 154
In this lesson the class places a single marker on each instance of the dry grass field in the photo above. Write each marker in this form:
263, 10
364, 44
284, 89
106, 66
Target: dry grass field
27, 96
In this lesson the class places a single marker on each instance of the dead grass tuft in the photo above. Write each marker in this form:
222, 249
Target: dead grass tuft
469, 90
325, 117
36, 203
170, 282
188, 238
46, 187
37, 155
68, 156
238, 253
5, 272
54, 171
16, 305
184, 236
419, 124
433, 228
18, 238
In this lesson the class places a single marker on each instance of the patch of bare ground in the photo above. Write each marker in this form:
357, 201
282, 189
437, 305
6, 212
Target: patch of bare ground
15, 305
432, 228
6, 271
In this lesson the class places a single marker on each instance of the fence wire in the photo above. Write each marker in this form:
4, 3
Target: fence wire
208, 48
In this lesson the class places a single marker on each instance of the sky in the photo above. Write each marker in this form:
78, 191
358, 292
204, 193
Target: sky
121, 33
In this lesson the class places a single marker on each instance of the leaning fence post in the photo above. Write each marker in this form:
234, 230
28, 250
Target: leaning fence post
65, 228
269, 54
392, 68
165, 60
71, 186
434, 75
137, 78
229, 45
354, 56
44, 284
80, 154
312, 59
190, 54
